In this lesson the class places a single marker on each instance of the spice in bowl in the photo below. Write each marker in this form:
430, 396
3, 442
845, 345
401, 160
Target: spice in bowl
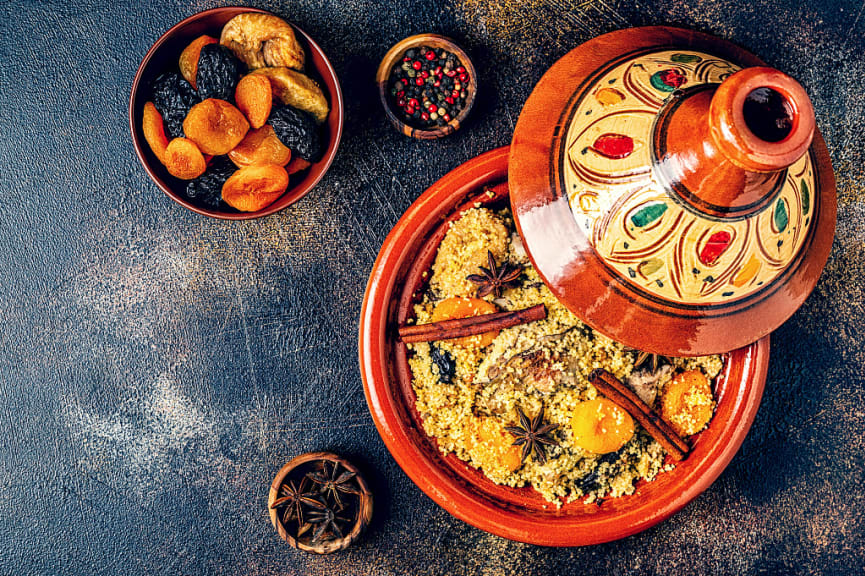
428, 87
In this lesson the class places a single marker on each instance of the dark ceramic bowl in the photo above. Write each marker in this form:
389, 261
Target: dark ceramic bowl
395, 54
519, 514
163, 56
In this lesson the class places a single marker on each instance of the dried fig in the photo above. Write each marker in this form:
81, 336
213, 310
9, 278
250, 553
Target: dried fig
189, 57
254, 97
184, 160
215, 126
262, 40
154, 130
254, 187
260, 147
298, 91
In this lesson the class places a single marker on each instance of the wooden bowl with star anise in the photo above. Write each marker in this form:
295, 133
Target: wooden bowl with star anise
320, 503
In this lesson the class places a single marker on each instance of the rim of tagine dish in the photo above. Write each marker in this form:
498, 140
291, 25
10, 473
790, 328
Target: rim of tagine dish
518, 514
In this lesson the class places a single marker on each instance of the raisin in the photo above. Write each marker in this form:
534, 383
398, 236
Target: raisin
206, 190
173, 97
445, 363
298, 131
218, 72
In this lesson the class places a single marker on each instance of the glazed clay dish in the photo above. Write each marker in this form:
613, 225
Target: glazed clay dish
520, 513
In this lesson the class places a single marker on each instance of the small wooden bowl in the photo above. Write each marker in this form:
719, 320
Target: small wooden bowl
298, 467
382, 76
163, 55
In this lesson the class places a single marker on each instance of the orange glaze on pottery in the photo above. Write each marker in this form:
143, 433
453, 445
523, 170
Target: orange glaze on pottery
519, 514
671, 199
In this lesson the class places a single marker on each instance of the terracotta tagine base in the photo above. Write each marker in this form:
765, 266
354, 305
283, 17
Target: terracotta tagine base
519, 514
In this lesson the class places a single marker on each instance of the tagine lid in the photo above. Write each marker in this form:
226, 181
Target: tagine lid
672, 191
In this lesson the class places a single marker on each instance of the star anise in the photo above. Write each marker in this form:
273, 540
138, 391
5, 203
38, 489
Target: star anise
494, 279
292, 498
533, 435
331, 484
656, 359
326, 522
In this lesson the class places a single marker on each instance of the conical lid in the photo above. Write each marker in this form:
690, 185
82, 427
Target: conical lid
671, 191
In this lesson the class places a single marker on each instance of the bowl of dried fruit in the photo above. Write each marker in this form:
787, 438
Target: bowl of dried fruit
235, 113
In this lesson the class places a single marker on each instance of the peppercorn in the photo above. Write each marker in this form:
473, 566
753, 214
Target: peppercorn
427, 87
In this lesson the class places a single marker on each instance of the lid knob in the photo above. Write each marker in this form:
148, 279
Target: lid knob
761, 119
723, 148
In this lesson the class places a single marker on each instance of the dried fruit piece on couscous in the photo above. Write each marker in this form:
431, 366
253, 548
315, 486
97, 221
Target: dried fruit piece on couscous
451, 308
687, 403
601, 426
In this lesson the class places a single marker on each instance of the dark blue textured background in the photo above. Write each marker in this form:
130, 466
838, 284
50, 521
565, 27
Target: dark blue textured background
158, 367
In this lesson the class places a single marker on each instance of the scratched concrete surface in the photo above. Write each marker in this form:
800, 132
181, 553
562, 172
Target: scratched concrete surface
158, 367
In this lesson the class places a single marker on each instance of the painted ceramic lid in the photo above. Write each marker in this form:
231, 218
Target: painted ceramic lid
672, 191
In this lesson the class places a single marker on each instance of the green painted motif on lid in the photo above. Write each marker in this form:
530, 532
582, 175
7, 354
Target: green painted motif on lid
648, 214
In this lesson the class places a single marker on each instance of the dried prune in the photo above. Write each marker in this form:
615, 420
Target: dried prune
255, 187
215, 126
445, 363
188, 61
297, 130
254, 98
184, 160
206, 190
173, 97
260, 147
218, 72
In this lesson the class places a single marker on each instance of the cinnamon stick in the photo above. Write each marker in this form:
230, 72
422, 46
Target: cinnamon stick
621, 394
470, 326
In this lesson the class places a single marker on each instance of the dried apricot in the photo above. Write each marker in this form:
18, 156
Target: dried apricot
260, 147
687, 402
254, 98
154, 130
184, 160
215, 126
490, 446
297, 164
254, 187
451, 308
601, 426
189, 57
